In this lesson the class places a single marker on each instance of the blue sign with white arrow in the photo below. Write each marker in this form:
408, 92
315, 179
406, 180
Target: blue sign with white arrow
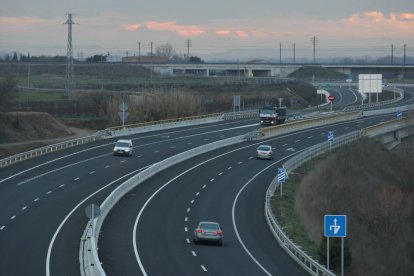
335, 226
399, 114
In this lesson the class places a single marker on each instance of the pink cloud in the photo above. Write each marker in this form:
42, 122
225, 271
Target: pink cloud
131, 27
376, 18
222, 32
242, 34
404, 16
20, 23
181, 30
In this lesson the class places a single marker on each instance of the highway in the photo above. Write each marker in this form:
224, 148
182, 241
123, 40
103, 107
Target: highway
149, 232
43, 201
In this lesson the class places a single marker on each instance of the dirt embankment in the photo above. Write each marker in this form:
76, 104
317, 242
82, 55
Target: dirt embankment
23, 131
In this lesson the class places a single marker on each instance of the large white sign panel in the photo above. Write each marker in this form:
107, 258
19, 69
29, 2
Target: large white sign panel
370, 83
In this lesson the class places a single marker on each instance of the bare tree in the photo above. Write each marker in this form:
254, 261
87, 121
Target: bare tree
165, 50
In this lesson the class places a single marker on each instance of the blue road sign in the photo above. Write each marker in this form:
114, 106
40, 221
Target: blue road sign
281, 175
330, 136
399, 114
335, 226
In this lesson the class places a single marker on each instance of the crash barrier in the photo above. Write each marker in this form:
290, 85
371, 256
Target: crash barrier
323, 119
389, 110
303, 259
126, 130
179, 122
48, 149
88, 255
398, 91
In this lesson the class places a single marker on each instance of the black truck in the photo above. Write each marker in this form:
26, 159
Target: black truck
270, 115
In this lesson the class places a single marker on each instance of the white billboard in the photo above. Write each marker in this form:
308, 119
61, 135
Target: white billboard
370, 83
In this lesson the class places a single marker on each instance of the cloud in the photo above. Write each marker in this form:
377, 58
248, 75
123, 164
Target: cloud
21, 23
377, 19
242, 34
403, 17
131, 27
171, 26
222, 32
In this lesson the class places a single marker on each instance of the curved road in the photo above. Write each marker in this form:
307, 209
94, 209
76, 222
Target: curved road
43, 200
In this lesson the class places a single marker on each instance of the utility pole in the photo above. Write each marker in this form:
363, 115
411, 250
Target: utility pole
139, 51
294, 53
188, 50
69, 57
314, 41
405, 51
280, 53
392, 53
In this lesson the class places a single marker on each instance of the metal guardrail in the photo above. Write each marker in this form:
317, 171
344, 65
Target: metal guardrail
322, 119
48, 149
379, 104
127, 130
303, 259
88, 255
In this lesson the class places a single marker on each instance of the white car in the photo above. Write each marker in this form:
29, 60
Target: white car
264, 151
123, 147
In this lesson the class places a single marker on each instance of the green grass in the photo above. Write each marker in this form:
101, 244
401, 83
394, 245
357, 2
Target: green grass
284, 209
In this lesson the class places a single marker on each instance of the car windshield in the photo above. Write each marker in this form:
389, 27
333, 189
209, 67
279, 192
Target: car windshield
264, 148
267, 111
122, 144
209, 226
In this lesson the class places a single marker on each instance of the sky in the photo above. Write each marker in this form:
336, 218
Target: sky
242, 29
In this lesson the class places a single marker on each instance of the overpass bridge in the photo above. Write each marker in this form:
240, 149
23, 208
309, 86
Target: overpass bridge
245, 70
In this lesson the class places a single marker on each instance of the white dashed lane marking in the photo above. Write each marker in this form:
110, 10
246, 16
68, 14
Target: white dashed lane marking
211, 180
185, 229
107, 166
198, 193
24, 208
13, 217
229, 168
203, 268
1, 228
188, 240
49, 192
188, 210
92, 172
36, 199
186, 219
204, 186
192, 201
61, 186
77, 178
194, 254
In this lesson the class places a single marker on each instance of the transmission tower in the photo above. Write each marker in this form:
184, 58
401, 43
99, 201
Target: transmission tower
69, 57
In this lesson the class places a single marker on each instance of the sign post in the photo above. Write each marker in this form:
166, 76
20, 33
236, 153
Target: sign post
335, 227
330, 139
399, 115
281, 178
331, 98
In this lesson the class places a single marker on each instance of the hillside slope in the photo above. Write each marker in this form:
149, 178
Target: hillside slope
23, 131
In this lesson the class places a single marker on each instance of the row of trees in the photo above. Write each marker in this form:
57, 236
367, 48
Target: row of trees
163, 50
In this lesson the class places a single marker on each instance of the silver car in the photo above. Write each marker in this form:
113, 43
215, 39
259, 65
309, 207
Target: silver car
123, 147
208, 231
264, 151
